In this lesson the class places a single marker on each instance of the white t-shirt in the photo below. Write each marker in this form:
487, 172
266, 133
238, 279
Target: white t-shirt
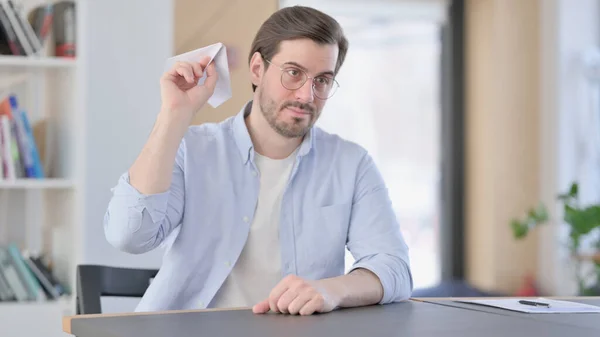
258, 269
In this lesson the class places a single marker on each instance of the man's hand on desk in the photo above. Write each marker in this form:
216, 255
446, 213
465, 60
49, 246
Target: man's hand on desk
295, 295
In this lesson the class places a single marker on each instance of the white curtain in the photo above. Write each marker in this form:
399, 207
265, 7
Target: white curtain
588, 130
587, 149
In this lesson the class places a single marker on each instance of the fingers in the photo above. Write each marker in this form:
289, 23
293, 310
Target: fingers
285, 300
312, 306
191, 71
292, 295
204, 61
300, 302
262, 307
211, 76
304, 301
185, 70
198, 67
276, 293
292, 282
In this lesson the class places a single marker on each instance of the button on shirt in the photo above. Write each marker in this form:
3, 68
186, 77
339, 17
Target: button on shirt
334, 198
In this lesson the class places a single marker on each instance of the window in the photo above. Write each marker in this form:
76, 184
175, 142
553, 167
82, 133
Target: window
389, 102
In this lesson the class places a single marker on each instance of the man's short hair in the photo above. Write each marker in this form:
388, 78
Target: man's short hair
298, 22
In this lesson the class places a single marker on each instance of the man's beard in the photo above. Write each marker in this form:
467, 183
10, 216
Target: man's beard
297, 127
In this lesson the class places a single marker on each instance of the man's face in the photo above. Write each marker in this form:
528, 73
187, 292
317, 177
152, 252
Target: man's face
292, 112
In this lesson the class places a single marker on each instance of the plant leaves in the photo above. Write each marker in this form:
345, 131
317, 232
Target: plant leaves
590, 291
575, 236
519, 229
574, 191
572, 194
535, 216
582, 220
540, 214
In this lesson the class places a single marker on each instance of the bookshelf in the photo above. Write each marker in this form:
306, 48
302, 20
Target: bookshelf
43, 215
36, 62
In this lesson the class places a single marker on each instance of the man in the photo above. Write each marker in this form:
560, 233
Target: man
264, 202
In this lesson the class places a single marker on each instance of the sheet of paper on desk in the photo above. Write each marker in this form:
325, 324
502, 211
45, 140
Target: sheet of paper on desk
556, 306
218, 54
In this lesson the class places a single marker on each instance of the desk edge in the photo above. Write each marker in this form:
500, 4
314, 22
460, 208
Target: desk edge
565, 298
67, 321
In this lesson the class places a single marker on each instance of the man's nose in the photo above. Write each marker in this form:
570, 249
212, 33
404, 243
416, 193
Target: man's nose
305, 93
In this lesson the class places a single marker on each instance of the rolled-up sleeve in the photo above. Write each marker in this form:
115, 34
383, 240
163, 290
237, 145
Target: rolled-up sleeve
137, 223
374, 237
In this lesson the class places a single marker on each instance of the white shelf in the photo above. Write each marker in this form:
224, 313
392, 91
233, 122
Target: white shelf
63, 303
34, 318
36, 184
36, 62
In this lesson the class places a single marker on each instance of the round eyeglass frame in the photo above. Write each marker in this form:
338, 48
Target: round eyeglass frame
335, 85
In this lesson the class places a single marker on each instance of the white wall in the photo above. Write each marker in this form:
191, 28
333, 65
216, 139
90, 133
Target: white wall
569, 29
126, 45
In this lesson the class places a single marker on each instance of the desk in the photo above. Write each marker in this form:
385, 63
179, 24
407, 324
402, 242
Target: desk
591, 321
436, 317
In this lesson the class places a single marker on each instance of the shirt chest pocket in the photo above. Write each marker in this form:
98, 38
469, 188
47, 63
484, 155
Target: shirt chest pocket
322, 240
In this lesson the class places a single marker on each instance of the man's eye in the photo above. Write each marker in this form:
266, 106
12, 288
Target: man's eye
293, 72
323, 80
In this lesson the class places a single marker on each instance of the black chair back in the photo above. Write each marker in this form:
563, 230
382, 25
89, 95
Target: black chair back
95, 281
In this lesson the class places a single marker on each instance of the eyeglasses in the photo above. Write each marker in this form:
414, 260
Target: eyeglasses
293, 78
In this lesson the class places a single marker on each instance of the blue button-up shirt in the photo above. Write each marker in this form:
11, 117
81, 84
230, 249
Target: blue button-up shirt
335, 198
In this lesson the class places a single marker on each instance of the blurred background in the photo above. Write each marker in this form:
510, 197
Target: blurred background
482, 115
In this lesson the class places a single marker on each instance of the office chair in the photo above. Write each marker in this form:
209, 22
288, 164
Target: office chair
95, 281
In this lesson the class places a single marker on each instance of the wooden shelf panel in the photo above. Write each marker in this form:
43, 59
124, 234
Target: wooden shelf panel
37, 184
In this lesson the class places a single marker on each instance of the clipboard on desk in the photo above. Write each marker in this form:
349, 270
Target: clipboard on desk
536, 306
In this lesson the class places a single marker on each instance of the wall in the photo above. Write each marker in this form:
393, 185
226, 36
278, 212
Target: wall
232, 22
502, 116
123, 62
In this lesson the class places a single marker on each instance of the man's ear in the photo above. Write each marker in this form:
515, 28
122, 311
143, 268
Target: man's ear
256, 68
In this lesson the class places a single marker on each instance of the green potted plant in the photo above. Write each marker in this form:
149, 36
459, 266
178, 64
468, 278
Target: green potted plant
581, 221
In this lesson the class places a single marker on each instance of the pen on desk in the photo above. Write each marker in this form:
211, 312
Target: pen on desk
535, 304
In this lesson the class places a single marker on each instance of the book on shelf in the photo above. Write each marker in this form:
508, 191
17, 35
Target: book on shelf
27, 277
26, 34
19, 154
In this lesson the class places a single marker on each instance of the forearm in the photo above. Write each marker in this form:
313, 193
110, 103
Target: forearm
358, 288
374, 236
152, 170
137, 223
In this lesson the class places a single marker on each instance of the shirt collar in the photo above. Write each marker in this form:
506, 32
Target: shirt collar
244, 142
